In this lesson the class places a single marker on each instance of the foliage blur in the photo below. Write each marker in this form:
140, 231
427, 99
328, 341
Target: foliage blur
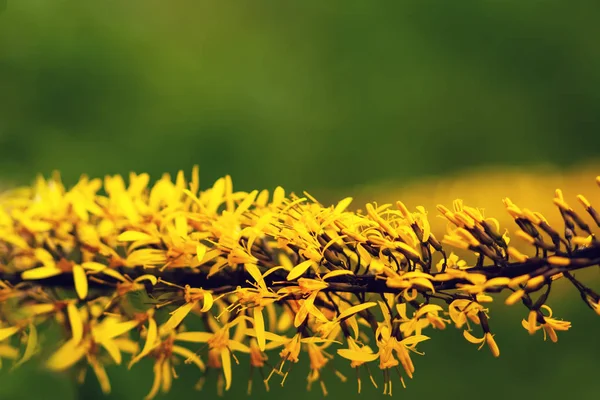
319, 96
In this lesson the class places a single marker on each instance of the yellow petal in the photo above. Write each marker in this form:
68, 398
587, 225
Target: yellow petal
93, 266
45, 257
514, 297
81, 283
342, 205
360, 356
66, 356
426, 228
39, 309
208, 302
356, 309
353, 323
181, 226
412, 340
428, 308
200, 252
147, 277
40, 273
472, 339
299, 269
234, 345
147, 257
500, 281
134, 236
246, 203
337, 272
254, 272
76, 322
278, 196
113, 349
114, 330
30, 349
424, 282
114, 274
259, 327
531, 322
166, 376
262, 199
492, 344
177, 316
9, 352
194, 337
102, 376
127, 345
401, 308
157, 380
5, 333
151, 337
226, 362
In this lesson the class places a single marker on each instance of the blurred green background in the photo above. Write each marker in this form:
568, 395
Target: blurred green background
318, 96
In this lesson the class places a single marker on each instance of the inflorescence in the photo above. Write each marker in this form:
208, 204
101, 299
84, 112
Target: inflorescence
182, 276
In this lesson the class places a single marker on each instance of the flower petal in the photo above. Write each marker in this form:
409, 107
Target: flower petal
472, 339
356, 309
299, 269
178, 315
226, 362
254, 272
66, 356
259, 327
194, 337
31, 347
113, 330
5, 333
337, 272
151, 338
76, 322
133, 236
81, 283
360, 356
113, 350
40, 273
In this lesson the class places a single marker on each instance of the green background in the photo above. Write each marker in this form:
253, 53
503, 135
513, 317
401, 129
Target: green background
323, 96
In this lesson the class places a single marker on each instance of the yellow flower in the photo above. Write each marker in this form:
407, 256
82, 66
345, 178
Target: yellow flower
318, 358
417, 323
452, 261
487, 338
192, 297
87, 340
547, 323
358, 355
164, 371
462, 310
258, 298
389, 344
220, 346
291, 351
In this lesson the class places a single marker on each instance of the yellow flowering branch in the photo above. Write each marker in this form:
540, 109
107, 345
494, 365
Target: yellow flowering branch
149, 271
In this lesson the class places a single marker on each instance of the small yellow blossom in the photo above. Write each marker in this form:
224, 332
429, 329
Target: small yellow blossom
548, 324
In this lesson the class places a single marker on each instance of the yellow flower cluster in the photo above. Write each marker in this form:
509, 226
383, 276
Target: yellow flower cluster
181, 276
